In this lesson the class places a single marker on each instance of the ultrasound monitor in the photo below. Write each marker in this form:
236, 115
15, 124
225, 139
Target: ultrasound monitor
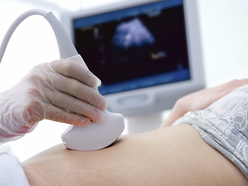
146, 53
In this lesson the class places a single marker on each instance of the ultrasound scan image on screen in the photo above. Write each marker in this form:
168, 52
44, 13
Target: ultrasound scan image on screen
135, 48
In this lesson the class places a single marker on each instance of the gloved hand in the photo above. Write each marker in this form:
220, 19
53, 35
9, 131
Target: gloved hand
61, 91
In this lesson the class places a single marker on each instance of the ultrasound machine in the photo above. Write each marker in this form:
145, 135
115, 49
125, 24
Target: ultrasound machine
147, 53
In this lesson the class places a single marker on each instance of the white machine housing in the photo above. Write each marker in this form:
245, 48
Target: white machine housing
160, 97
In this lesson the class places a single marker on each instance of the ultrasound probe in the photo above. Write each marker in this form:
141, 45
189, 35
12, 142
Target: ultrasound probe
93, 136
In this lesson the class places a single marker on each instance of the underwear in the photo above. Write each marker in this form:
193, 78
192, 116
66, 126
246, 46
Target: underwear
224, 126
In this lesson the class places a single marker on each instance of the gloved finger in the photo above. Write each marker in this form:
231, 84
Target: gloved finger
79, 90
74, 105
57, 114
74, 70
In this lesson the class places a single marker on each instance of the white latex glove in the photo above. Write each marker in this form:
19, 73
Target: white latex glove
60, 91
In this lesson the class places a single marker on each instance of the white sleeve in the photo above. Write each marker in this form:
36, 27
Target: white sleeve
11, 172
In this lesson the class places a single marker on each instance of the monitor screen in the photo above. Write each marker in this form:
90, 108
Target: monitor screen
136, 47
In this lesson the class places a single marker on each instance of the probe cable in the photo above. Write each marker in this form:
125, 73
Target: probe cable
66, 47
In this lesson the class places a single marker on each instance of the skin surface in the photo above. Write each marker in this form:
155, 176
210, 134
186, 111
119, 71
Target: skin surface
168, 156
174, 155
